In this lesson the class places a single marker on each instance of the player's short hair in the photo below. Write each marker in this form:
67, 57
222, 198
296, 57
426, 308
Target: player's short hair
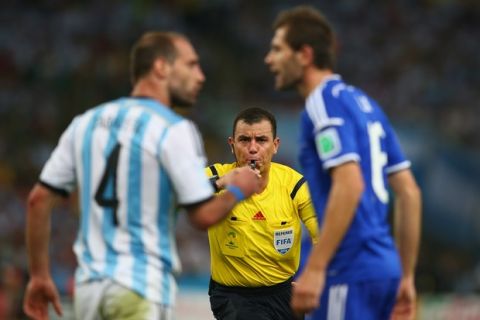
255, 115
305, 25
148, 48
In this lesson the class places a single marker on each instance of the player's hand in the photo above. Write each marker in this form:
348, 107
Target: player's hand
405, 306
39, 293
247, 179
227, 179
306, 291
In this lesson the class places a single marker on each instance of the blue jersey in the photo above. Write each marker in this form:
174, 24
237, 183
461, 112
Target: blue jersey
342, 124
133, 161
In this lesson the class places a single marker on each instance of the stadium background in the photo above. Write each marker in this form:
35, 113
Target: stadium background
419, 58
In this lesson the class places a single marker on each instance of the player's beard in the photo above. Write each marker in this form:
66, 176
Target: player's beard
180, 101
180, 97
290, 75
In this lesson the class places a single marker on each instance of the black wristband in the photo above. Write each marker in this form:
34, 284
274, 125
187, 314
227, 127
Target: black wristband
213, 181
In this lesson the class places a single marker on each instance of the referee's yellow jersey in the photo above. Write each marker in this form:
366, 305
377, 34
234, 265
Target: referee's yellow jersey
258, 243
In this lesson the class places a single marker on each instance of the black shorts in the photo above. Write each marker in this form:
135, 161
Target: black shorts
259, 303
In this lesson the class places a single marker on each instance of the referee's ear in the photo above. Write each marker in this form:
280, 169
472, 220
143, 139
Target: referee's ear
230, 142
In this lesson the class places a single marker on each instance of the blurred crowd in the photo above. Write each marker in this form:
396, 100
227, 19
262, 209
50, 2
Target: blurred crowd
419, 59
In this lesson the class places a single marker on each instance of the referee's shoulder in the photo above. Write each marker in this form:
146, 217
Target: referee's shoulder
220, 169
285, 172
284, 168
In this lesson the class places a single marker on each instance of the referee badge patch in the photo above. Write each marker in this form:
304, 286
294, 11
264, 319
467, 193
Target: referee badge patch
283, 240
232, 244
328, 143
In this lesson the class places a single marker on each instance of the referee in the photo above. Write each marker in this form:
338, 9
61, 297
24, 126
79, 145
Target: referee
255, 250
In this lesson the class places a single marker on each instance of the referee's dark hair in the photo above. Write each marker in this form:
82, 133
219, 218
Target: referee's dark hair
148, 48
255, 115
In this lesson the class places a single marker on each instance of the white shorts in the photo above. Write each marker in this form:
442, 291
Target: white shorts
106, 300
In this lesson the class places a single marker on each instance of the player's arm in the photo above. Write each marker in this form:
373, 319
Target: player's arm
407, 218
39, 207
407, 225
242, 183
221, 181
182, 155
40, 290
346, 191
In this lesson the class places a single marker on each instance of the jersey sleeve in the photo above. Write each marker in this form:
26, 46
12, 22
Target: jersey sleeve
212, 170
396, 158
306, 211
58, 174
333, 130
182, 155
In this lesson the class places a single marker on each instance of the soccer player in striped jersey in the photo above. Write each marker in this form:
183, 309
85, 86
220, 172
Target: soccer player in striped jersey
133, 160
255, 251
349, 154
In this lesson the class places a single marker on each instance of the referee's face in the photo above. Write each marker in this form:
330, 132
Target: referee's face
254, 142
187, 77
284, 62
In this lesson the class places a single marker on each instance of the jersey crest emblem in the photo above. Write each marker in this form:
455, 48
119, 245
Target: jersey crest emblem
283, 240
258, 216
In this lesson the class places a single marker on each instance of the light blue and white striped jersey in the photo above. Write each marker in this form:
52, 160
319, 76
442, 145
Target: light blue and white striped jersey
341, 124
134, 161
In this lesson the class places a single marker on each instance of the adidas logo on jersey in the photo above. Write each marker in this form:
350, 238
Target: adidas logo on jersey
259, 216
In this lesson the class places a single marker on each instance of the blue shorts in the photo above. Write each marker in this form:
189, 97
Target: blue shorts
364, 300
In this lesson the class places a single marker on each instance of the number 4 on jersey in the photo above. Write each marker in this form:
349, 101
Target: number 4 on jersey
106, 195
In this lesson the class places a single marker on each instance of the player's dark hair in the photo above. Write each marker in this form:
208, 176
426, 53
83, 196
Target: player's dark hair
148, 48
255, 115
305, 25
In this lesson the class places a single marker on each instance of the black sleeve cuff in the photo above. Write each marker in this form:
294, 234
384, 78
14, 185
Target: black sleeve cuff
62, 192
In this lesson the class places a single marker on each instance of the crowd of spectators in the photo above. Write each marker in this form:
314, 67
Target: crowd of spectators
419, 59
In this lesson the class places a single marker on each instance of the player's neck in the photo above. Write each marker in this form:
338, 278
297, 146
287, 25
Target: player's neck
312, 77
148, 88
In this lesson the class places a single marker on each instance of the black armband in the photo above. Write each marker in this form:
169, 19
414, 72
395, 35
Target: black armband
213, 181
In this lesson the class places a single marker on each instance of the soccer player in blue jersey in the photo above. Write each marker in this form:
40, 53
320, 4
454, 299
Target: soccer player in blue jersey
129, 158
349, 154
